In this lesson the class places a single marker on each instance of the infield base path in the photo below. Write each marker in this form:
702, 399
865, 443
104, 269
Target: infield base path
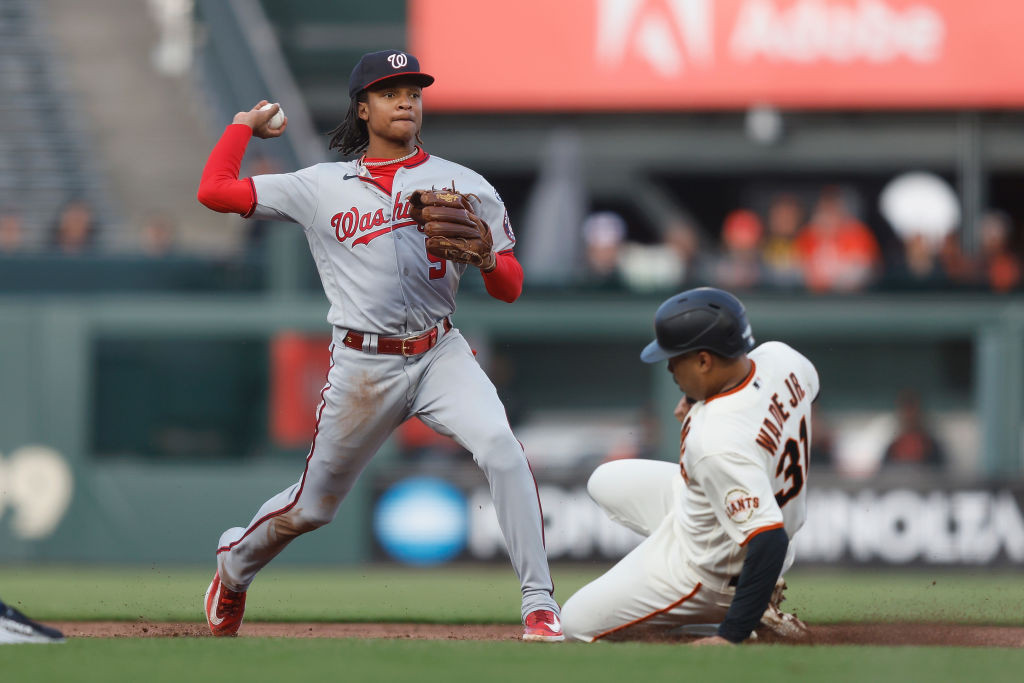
941, 635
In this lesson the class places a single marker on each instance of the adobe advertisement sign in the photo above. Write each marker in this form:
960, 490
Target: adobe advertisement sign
684, 54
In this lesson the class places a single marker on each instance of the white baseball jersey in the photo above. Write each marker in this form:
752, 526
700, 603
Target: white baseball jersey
744, 463
371, 256
744, 459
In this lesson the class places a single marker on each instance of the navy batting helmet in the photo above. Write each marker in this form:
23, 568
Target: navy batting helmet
705, 319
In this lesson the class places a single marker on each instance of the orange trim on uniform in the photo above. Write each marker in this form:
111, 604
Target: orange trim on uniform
675, 604
755, 532
738, 387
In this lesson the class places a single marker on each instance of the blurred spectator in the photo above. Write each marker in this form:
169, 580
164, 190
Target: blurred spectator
158, 235
778, 253
740, 264
1002, 268
603, 236
923, 210
665, 265
683, 238
647, 267
837, 251
921, 264
11, 231
823, 451
913, 444
75, 230
958, 267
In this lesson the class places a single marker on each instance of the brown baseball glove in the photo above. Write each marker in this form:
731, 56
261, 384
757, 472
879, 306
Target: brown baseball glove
454, 230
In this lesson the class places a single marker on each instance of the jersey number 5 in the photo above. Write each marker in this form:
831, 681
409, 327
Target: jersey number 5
793, 465
438, 266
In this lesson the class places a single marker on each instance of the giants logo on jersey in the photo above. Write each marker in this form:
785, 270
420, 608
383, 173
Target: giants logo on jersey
740, 505
347, 223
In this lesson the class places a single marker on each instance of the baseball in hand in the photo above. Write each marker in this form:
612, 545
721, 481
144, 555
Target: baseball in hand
277, 120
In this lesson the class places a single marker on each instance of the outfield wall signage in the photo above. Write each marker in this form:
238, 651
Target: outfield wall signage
875, 526
901, 526
36, 488
683, 54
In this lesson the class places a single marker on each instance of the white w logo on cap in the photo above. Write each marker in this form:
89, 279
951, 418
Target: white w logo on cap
398, 60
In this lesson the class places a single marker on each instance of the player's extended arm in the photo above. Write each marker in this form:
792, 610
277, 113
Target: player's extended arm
220, 189
505, 282
766, 553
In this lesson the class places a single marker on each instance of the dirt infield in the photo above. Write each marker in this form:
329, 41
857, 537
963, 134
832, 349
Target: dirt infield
832, 634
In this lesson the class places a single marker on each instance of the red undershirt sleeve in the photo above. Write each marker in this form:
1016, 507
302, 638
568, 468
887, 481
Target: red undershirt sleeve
505, 282
220, 189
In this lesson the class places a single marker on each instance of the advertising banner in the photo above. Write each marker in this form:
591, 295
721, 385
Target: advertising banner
429, 520
617, 55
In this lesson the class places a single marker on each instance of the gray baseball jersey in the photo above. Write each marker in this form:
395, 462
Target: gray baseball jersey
372, 259
380, 280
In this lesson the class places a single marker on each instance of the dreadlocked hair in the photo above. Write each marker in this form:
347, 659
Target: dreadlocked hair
351, 135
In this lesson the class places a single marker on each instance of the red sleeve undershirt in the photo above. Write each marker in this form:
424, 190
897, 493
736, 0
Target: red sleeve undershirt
220, 189
505, 282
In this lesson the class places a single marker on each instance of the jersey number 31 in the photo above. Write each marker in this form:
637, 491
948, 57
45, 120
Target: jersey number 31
793, 466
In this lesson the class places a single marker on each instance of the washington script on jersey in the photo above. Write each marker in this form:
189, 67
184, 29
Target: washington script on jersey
347, 223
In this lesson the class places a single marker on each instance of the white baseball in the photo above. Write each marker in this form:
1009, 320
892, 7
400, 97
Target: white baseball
277, 120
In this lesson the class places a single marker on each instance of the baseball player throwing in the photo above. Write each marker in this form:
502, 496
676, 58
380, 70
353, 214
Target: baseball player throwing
391, 232
719, 524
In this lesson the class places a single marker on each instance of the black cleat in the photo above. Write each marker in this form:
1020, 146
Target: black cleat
15, 627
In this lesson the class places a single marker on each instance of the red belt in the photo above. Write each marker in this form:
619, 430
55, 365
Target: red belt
398, 346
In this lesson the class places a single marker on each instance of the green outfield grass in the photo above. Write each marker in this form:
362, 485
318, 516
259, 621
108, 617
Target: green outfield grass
256, 660
470, 595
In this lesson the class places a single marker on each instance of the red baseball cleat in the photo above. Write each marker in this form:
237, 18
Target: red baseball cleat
224, 608
543, 625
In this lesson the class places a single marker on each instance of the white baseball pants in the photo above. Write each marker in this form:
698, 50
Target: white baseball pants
653, 584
